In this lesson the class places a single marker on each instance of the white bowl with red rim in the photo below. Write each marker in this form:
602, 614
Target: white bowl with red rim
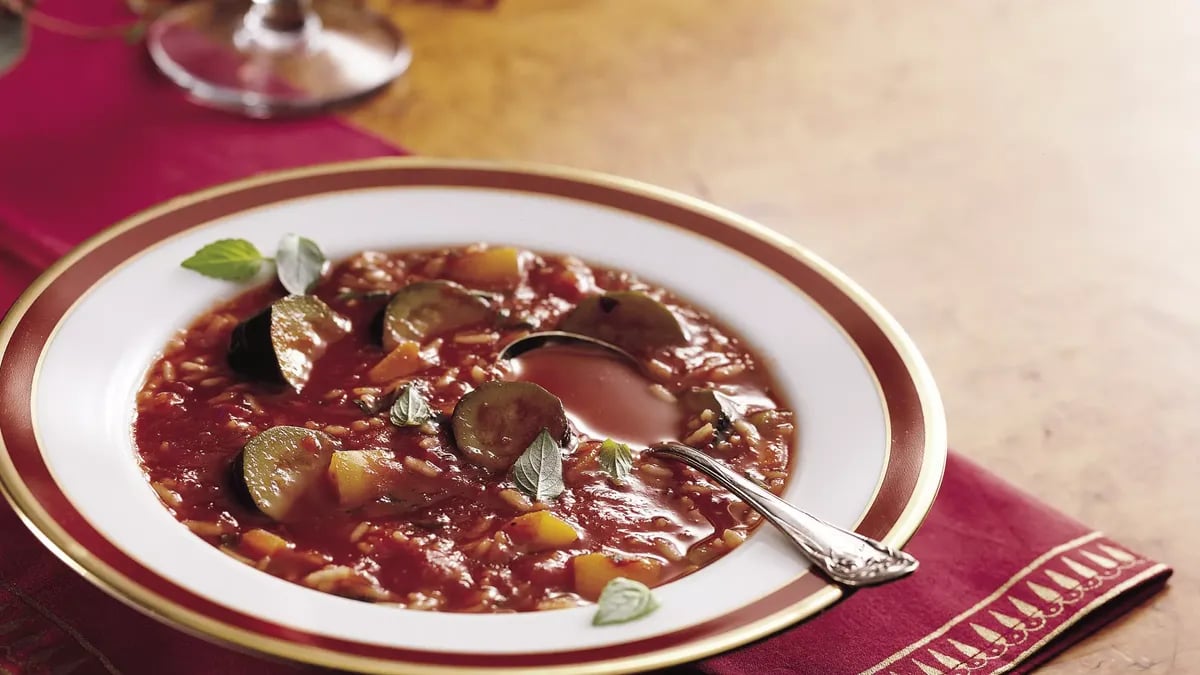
75, 348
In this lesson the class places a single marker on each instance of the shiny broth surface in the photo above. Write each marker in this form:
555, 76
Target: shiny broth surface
424, 526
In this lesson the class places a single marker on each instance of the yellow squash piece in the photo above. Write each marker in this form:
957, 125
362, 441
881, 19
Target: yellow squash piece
593, 571
362, 476
259, 543
540, 531
493, 267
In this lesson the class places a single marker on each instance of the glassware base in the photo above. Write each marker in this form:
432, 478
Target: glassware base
228, 57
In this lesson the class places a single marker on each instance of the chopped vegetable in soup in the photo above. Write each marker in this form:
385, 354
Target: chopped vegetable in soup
365, 439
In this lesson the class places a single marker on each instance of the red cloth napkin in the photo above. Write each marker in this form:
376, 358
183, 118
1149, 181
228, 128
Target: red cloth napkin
90, 134
1005, 583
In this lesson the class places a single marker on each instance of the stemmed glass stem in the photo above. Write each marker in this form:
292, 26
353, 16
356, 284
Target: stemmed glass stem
279, 22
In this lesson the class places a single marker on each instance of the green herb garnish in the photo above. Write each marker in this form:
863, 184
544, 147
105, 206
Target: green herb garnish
410, 408
623, 600
299, 264
616, 459
538, 471
228, 259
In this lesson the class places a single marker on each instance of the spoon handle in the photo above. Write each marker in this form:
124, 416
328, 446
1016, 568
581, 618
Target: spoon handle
846, 557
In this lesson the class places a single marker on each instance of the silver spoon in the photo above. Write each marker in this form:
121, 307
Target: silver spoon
846, 557
558, 337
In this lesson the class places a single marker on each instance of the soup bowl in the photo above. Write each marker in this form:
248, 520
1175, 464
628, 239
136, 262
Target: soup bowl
75, 348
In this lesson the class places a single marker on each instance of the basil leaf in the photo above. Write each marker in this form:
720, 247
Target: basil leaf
623, 600
299, 264
410, 408
228, 259
14, 38
538, 471
616, 459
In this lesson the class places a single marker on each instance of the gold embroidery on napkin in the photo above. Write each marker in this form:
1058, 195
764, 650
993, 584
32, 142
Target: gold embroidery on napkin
1019, 631
1092, 606
1058, 578
1016, 578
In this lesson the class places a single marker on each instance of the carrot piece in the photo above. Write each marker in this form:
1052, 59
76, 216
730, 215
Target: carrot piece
402, 361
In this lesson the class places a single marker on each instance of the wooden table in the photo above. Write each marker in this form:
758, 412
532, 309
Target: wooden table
1018, 181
